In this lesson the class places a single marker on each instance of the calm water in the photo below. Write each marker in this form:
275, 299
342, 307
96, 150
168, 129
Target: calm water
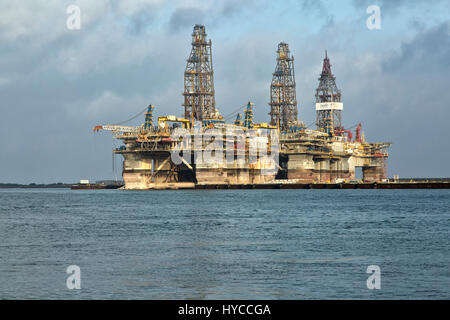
224, 244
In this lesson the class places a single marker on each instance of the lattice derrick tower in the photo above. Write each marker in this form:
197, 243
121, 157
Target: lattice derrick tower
283, 100
199, 102
328, 101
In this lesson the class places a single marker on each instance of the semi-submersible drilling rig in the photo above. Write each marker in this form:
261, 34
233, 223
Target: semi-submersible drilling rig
327, 154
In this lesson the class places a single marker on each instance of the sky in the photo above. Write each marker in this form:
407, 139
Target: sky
56, 84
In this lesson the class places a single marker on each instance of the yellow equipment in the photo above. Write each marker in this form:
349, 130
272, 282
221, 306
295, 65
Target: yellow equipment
162, 122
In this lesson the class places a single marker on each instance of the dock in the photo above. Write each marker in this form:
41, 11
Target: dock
375, 185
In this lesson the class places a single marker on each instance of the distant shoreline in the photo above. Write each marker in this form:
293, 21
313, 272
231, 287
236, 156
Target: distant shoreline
33, 185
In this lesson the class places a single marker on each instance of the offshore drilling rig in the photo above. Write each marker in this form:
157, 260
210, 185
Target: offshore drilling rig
200, 148
328, 154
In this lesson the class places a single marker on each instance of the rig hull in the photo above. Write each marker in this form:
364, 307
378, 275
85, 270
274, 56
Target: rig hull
306, 157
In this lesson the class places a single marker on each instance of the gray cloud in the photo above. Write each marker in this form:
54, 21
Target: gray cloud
428, 52
316, 6
56, 84
404, 98
211, 13
186, 17
142, 21
393, 7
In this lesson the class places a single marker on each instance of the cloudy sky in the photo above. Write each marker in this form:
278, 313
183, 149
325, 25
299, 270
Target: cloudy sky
56, 83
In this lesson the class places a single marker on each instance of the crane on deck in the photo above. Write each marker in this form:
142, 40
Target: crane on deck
119, 128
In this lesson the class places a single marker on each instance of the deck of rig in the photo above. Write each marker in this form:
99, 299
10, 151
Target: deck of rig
201, 149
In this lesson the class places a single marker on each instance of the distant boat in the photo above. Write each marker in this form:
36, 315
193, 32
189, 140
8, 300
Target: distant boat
86, 185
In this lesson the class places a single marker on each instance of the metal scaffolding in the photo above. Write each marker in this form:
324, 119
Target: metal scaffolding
283, 101
328, 101
199, 102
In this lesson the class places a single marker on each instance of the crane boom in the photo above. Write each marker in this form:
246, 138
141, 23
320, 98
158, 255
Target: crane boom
116, 128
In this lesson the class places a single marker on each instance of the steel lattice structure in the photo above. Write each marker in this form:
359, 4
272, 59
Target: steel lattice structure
199, 101
328, 118
283, 101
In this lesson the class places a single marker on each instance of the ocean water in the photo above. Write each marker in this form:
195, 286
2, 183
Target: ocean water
224, 244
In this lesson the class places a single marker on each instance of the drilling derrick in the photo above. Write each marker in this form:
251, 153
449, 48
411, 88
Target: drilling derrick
283, 101
199, 102
328, 101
